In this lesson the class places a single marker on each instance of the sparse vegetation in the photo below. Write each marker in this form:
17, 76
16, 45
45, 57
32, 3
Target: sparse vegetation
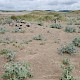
58, 26
3, 30
70, 29
8, 21
10, 56
67, 70
76, 41
14, 17
4, 51
69, 49
16, 71
17, 30
38, 37
66, 61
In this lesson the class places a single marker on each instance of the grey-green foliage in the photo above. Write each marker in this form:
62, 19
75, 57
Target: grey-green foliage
70, 22
70, 29
76, 41
8, 20
10, 56
3, 30
17, 30
67, 70
69, 49
38, 37
16, 71
58, 26
4, 51
66, 61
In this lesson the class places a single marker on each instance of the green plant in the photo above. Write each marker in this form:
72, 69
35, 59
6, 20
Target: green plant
69, 49
76, 41
16, 71
66, 61
3, 30
17, 30
58, 26
70, 29
14, 17
10, 56
38, 37
8, 21
67, 70
4, 51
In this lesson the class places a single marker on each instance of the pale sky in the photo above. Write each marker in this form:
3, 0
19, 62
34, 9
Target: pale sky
39, 4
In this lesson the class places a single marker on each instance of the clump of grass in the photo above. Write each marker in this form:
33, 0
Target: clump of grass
38, 37
70, 29
76, 41
67, 70
58, 26
16, 71
69, 49
14, 17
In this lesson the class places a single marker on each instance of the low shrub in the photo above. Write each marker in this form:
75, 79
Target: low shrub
67, 70
69, 49
16, 71
3, 30
38, 37
76, 41
70, 29
14, 17
10, 56
8, 21
4, 51
66, 61
58, 26
17, 30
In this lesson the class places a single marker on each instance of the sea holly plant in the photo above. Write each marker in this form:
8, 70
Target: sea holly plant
70, 29
58, 26
67, 70
16, 71
69, 49
10, 56
76, 41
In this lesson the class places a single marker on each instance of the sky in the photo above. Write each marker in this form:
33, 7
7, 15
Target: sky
39, 4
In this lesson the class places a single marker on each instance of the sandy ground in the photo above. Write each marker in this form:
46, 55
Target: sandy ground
45, 62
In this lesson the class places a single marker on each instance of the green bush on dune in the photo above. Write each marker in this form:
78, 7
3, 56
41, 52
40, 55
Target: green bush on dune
58, 26
76, 41
70, 29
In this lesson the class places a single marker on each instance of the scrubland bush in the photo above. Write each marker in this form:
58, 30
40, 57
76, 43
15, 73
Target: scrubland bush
69, 49
67, 70
16, 71
70, 29
76, 41
58, 26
